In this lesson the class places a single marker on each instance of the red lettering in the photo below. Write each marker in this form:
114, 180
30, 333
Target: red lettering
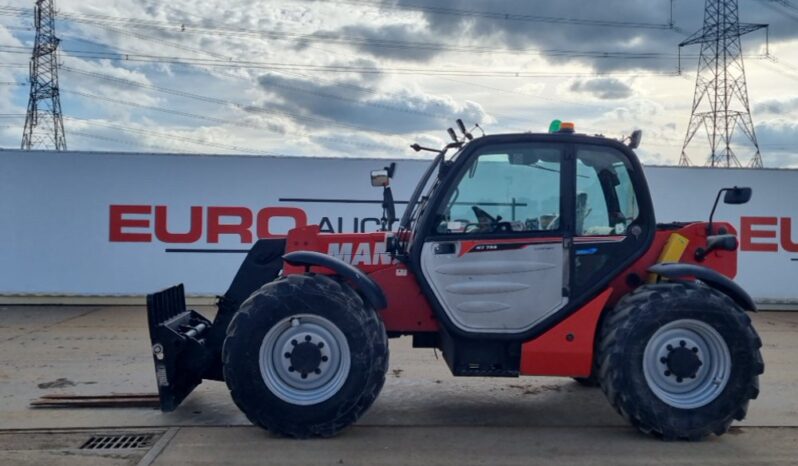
786, 235
241, 228
162, 228
748, 234
118, 223
268, 213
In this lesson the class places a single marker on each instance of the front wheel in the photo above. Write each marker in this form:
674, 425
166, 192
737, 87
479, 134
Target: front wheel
679, 360
304, 356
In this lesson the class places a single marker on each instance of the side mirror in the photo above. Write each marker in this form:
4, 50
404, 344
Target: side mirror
383, 178
635, 138
380, 178
737, 195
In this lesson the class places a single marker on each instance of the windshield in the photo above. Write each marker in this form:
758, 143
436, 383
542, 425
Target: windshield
511, 187
418, 200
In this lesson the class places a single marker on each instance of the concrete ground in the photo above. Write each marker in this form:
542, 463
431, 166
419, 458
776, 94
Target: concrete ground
423, 416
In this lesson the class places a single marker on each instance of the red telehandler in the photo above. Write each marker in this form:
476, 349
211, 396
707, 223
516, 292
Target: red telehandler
521, 254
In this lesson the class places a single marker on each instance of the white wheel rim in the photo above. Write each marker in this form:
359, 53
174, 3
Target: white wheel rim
319, 350
687, 364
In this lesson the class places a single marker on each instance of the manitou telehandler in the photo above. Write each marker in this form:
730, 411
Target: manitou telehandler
521, 254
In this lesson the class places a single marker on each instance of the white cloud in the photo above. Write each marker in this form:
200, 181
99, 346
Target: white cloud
601, 88
313, 112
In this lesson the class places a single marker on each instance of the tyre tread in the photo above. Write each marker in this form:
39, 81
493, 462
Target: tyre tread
617, 327
308, 286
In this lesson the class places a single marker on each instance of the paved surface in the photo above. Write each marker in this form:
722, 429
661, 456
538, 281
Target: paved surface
424, 415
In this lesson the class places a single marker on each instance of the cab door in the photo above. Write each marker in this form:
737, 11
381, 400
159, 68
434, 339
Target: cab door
611, 228
498, 260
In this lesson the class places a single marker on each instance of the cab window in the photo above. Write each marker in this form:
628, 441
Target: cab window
506, 188
605, 199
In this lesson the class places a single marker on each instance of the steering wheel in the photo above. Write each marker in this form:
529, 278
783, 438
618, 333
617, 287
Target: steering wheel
483, 216
494, 223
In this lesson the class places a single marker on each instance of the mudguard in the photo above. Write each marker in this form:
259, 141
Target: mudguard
370, 290
712, 278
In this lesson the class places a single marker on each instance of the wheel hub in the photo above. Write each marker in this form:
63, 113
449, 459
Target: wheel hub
306, 357
683, 363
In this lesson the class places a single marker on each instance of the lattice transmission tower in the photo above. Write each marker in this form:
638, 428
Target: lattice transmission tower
720, 102
44, 124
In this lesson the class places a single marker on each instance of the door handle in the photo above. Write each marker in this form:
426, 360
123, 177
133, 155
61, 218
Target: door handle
444, 248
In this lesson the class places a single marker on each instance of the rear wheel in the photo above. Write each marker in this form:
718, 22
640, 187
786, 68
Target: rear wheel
679, 360
304, 356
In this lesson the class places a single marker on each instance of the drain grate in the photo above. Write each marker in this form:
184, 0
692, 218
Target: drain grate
118, 441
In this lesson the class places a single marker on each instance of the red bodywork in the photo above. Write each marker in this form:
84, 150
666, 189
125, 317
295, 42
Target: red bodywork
564, 350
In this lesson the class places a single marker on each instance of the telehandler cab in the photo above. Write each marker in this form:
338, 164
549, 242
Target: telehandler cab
521, 254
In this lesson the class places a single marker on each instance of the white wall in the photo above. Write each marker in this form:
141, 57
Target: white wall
55, 214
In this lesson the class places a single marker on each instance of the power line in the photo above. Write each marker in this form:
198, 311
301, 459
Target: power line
213, 100
224, 121
373, 42
145, 132
160, 41
223, 102
138, 143
787, 9
205, 29
285, 86
786, 70
18, 28
328, 38
349, 85
291, 88
210, 54
188, 28
188, 61
506, 16
342, 84
525, 94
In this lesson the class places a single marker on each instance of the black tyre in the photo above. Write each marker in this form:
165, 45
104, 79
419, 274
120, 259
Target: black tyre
590, 382
304, 356
679, 360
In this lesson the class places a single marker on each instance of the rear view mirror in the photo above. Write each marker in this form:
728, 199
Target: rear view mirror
524, 158
380, 178
737, 195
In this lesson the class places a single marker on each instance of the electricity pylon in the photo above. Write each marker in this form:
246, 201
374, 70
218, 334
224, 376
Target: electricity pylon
720, 103
44, 124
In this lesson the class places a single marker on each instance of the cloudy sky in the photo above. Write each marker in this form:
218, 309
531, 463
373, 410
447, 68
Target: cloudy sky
369, 77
